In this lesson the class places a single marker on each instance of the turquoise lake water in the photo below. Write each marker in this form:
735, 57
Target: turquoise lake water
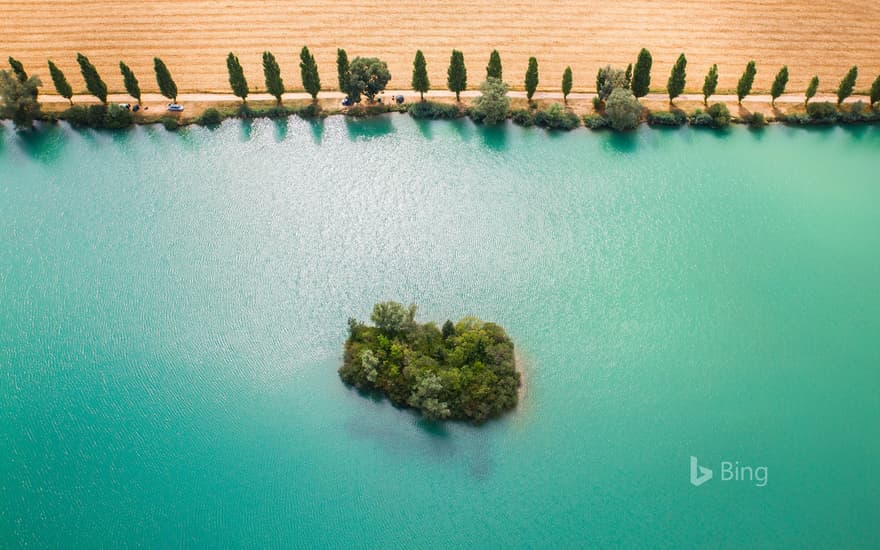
174, 307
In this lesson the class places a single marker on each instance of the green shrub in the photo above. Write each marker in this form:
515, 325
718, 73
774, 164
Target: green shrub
556, 117
433, 110
310, 111
701, 119
117, 117
210, 117
597, 103
757, 120
76, 115
523, 117
170, 123
823, 111
623, 109
595, 122
493, 105
797, 119
665, 118
720, 115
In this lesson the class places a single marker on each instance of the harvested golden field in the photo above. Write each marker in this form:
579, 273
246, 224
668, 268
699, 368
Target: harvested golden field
193, 37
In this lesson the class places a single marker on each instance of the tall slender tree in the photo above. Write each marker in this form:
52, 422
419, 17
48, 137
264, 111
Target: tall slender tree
628, 77
710, 84
132, 86
308, 70
456, 75
845, 89
167, 86
677, 78
493, 69
531, 78
420, 82
779, 84
641, 80
343, 70
566, 84
875, 91
744, 86
94, 84
812, 88
18, 69
272, 74
62, 86
237, 81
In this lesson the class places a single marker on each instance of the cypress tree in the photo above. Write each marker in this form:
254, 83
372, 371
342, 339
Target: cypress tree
710, 84
167, 86
18, 69
62, 86
779, 84
812, 88
641, 81
628, 77
308, 70
875, 91
531, 78
420, 82
493, 69
272, 73
237, 81
566, 84
845, 89
457, 74
677, 78
343, 70
94, 84
744, 87
130, 81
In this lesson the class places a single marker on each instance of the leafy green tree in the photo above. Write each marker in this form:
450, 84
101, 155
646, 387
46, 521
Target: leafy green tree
19, 99
237, 80
448, 330
18, 69
744, 87
531, 78
608, 79
309, 72
845, 89
368, 76
710, 84
812, 88
343, 70
456, 75
62, 86
426, 396
272, 74
493, 69
94, 84
132, 86
392, 318
566, 84
492, 105
875, 90
628, 77
641, 80
167, 86
623, 109
420, 82
676, 82
779, 84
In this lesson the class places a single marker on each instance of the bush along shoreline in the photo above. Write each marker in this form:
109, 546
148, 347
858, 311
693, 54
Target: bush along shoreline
363, 81
462, 371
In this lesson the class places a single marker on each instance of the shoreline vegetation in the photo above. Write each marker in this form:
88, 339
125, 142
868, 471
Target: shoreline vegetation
462, 371
624, 97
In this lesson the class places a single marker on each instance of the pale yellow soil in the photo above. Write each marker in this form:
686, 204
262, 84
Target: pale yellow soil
193, 37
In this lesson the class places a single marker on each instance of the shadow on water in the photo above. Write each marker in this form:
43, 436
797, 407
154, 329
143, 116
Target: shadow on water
246, 126
463, 127
316, 127
621, 142
425, 128
281, 127
369, 128
43, 143
857, 132
494, 137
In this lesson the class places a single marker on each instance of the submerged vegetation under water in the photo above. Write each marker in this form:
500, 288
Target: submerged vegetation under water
464, 371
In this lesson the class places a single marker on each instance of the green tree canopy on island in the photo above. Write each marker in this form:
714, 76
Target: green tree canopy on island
62, 86
308, 68
272, 76
456, 75
167, 86
94, 84
466, 371
420, 82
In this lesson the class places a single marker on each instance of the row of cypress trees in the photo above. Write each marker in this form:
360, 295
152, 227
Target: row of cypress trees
640, 79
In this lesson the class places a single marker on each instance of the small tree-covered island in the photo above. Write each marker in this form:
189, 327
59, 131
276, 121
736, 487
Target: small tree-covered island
464, 371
